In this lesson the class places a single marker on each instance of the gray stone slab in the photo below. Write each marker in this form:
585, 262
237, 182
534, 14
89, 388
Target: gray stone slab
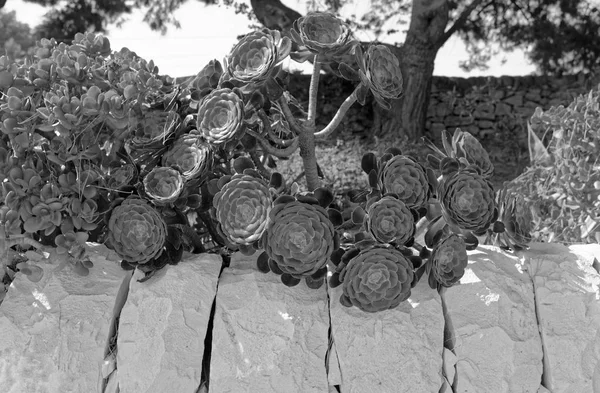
492, 312
568, 300
160, 343
398, 350
55, 331
267, 337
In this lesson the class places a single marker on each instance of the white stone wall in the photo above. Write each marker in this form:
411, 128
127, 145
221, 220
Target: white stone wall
515, 323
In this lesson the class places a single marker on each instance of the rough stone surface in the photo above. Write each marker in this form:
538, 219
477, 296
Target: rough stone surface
54, 332
567, 296
397, 350
267, 337
492, 312
163, 325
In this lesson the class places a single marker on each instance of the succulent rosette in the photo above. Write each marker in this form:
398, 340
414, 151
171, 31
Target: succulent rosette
153, 129
468, 147
390, 221
190, 155
380, 72
136, 231
515, 214
121, 176
405, 177
300, 238
467, 200
163, 185
323, 33
242, 208
208, 77
255, 57
221, 117
447, 262
376, 279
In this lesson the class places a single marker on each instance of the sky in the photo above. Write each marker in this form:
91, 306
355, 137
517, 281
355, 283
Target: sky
209, 32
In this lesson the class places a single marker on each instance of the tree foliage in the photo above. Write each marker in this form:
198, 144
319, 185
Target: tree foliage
15, 36
558, 35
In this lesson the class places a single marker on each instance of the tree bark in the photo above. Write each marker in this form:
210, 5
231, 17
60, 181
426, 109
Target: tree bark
417, 58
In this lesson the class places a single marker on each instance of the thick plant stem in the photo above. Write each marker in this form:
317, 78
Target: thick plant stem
312, 92
309, 159
306, 139
339, 115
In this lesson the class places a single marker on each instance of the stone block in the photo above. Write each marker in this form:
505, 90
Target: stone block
502, 109
398, 350
482, 124
160, 343
494, 327
481, 115
456, 121
55, 331
268, 337
514, 100
567, 296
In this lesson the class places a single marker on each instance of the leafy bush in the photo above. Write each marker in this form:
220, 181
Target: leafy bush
97, 146
561, 188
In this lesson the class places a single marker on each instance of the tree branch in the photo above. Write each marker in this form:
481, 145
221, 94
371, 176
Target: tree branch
460, 21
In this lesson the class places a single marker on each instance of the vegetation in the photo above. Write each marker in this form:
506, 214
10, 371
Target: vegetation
559, 36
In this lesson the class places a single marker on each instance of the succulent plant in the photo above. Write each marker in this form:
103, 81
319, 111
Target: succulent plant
376, 279
190, 155
300, 237
242, 208
390, 221
221, 117
254, 59
136, 231
323, 33
467, 200
517, 219
468, 147
448, 261
163, 185
403, 176
380, 73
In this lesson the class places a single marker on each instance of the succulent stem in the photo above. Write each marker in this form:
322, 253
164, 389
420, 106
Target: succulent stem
306, 139
312, 92
339, 115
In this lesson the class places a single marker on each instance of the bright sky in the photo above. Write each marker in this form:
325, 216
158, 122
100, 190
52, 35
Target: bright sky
209, 32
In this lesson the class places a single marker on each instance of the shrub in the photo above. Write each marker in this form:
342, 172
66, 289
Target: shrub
561, 189
96, 145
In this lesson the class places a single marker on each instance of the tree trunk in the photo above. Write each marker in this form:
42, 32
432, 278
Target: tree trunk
417, 66
417, 57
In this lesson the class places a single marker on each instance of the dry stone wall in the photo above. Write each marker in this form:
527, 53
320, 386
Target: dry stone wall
484, 106
527, 322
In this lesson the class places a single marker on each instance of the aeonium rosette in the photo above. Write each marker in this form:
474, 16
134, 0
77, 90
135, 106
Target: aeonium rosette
375, 279
323, 34
242, 208
390, 221
163, 185
463, 147
447, 262
190, 155
406, 178
136, 231
221, 117
299, 240
517, 219
380, 73
467, 199
256, 56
